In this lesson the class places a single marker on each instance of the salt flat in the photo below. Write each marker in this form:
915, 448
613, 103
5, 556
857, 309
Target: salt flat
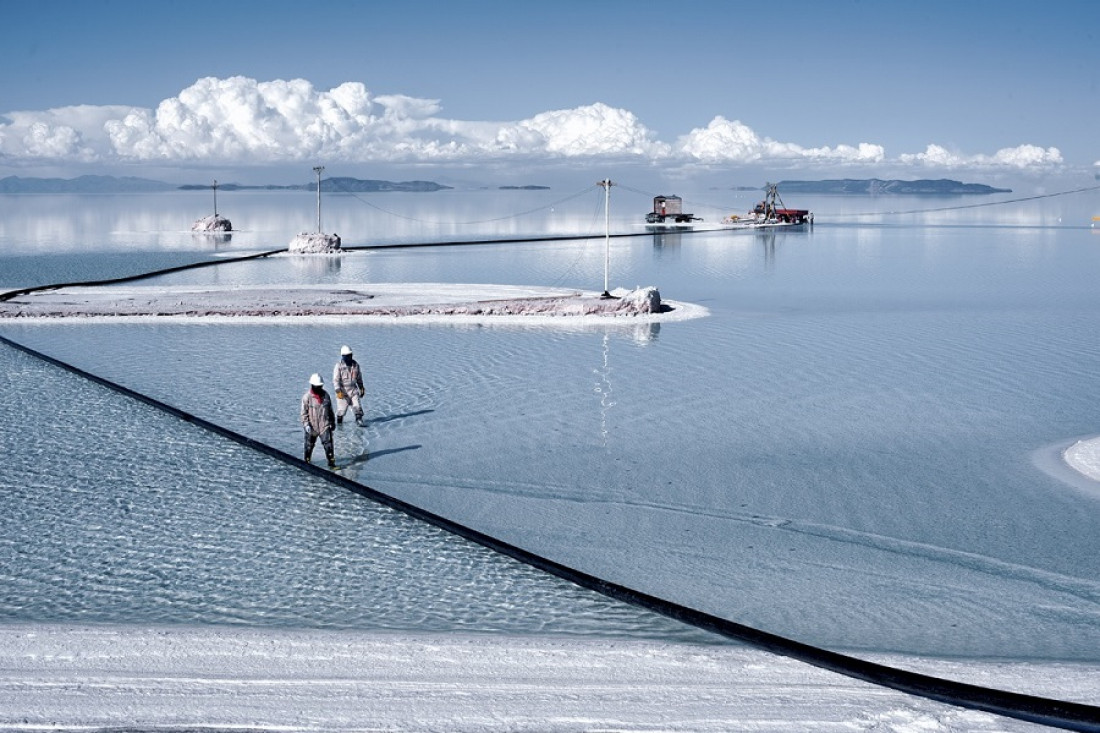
65, 677
415, 300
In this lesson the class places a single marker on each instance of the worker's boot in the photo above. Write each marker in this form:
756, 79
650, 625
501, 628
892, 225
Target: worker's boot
331, 460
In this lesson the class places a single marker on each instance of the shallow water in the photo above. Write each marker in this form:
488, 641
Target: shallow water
115, 511
841, 453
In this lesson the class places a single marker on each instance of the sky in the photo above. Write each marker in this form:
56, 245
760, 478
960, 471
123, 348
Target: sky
249, 91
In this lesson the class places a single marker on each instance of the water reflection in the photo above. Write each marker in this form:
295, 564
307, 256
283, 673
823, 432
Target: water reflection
316, 267
218, 239
668, 245
602, 388
767, 240
667, 242
643, 334
646, 333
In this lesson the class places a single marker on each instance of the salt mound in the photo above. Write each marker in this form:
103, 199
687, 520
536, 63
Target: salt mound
315, 243
640, 300
213, 223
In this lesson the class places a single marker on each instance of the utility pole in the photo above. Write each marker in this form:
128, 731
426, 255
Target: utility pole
607, 184
317, 170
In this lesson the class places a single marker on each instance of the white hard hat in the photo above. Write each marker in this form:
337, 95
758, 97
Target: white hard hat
345, 350
316, 381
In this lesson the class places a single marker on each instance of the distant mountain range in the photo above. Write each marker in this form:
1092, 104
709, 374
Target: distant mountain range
83, 184
128, 184
879, 187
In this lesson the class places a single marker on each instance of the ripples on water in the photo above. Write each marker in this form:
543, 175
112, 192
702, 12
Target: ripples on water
116, 512
840, 453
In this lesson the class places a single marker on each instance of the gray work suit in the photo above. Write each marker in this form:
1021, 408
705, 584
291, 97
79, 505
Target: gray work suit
318, 421
347, 380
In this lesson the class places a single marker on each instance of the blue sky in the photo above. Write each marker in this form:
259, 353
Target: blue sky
853, 88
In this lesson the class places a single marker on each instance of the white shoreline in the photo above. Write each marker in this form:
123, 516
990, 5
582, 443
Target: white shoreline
57, 676
410, 303
678, 312
1084, 457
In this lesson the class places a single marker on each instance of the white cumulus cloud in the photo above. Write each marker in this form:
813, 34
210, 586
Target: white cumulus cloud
1020, 157
242, 121
725, 141
65, 133
596, 129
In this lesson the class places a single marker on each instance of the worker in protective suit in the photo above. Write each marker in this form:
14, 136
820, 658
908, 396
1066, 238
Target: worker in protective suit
318, 420
347, 380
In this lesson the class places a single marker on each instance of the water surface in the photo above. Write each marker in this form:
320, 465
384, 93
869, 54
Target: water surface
841, 453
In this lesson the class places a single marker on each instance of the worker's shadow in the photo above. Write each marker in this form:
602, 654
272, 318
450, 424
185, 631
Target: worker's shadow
373, 454
403, 415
